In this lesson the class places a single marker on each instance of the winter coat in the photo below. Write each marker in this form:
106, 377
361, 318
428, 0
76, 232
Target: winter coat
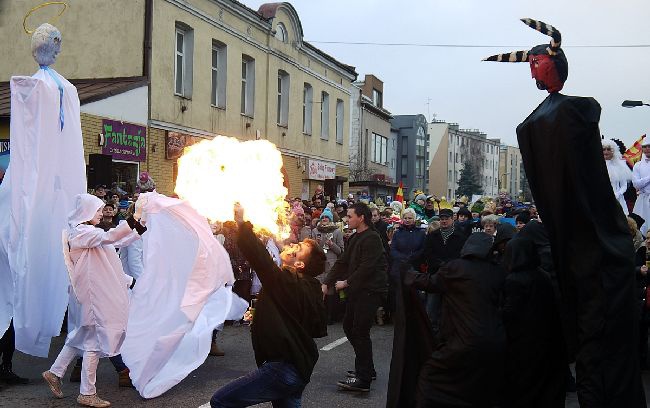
363, 265
333, 252
406, 242
436, 253
467, 363
536, 361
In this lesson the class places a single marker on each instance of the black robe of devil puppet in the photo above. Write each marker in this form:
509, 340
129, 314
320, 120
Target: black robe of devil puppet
591, 244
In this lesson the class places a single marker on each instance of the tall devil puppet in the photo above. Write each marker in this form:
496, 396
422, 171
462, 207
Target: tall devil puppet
592, 249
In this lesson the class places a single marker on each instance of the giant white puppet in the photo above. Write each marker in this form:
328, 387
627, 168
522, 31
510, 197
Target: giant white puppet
179, 298
47, 170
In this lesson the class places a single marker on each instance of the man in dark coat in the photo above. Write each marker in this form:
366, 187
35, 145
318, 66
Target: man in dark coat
535, 353
467, 364
289, 314
362, 272
592, 249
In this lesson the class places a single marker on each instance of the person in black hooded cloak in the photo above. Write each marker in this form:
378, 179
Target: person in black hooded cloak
466, 366
592, 251
535, 353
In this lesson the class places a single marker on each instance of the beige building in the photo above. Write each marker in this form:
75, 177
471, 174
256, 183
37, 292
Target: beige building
511, 171
438, 147
199, 68
372, 147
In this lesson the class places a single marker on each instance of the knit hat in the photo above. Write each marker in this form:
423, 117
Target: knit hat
420, 197
327, 213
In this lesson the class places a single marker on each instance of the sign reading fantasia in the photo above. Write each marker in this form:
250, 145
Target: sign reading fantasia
124, 141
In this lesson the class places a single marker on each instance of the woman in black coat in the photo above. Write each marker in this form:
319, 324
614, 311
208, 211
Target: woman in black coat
535, 356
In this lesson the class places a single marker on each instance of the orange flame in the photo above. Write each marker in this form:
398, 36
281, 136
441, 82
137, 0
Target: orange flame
215, 174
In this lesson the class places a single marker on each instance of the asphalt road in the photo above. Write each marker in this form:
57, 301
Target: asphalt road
198, 387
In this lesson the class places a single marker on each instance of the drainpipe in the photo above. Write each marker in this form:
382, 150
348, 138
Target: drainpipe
146, 60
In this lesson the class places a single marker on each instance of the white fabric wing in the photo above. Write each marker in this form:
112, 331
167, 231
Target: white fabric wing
179, 299
47, 172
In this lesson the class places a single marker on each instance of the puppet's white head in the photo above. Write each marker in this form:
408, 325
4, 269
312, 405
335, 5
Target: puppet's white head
46, 44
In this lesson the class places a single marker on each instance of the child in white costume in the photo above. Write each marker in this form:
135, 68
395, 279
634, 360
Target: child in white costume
98, 309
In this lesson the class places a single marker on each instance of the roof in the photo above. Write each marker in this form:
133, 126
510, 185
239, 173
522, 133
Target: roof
89, 90
267, 11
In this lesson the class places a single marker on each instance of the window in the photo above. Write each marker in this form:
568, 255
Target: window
247, 86
392, 163
183, 61
449, 178
281, 33
283, 98
325, 116
218, 97
380, 149
450, 158
404, 168
340, 117
405, 146
376, 98
456, 157
307, 103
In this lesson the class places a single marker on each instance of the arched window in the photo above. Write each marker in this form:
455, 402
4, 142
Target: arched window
281, 33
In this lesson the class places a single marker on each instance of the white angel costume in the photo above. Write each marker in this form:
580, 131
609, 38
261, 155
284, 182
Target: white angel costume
47, 170
619, 173
99, 303
180, 297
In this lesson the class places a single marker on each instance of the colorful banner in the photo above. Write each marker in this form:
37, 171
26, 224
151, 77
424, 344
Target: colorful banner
124, 141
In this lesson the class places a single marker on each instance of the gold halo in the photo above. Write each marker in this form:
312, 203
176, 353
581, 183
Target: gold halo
40, 6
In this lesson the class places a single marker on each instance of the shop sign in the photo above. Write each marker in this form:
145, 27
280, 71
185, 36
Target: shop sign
175, 143
319, 170
124, 141
4, 154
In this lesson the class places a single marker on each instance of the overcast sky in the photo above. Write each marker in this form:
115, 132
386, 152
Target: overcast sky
493, 97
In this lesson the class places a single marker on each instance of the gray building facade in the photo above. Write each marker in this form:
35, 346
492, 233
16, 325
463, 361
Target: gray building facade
411, 132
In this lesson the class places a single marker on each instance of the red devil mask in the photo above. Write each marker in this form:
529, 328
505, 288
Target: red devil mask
543, 69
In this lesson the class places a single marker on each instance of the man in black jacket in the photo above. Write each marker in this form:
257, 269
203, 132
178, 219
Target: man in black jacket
362, 271
289, 314
440, 247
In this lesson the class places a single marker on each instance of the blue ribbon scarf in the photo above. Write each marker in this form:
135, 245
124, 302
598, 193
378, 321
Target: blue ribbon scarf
60, 86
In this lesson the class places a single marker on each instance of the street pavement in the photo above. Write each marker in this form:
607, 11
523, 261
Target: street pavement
195, 390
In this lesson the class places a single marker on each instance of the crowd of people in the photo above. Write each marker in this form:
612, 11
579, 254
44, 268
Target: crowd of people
482, 273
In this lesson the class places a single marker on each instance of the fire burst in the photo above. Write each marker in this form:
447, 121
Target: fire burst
215, 174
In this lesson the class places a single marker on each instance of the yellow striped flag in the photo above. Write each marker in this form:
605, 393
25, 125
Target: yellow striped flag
633, 154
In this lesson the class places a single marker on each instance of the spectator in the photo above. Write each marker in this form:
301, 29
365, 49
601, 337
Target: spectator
107, 222
362, 272
489, 224
100, 192
440, 247
521, 220
330, 239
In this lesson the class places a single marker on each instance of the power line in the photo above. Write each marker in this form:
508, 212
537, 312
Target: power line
474, 45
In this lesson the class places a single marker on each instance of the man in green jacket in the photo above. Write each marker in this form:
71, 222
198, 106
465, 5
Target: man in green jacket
362, 272
289, 314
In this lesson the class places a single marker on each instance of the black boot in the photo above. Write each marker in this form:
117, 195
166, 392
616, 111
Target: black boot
7, 375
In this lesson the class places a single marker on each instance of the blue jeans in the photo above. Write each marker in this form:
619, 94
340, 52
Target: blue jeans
274, 381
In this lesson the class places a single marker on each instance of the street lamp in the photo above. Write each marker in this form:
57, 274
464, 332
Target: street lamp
633, 104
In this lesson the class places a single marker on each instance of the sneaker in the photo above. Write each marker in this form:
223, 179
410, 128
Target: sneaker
54, 382
353, 374
75, 375
92, 401
7, 376
354, 384
124, 380
215, 350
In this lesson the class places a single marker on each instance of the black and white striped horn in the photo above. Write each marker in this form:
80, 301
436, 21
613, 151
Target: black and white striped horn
515, 56
556, 37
